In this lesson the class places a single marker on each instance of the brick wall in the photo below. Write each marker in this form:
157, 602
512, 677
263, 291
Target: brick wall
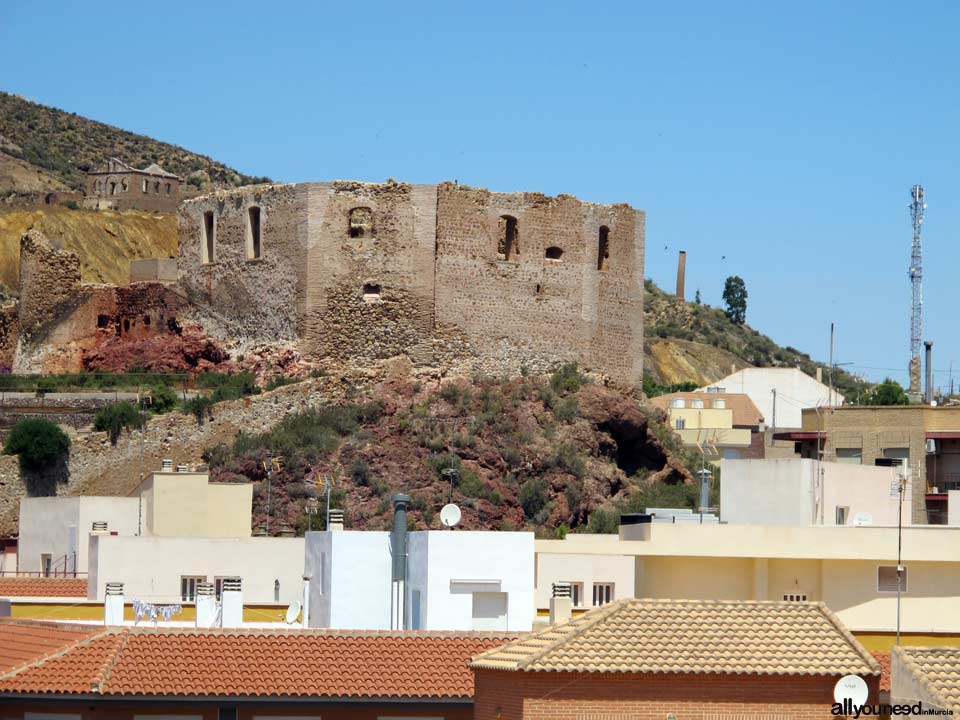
503, 695
530, 309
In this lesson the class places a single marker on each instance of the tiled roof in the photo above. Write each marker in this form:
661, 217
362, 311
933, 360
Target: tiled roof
11, 587
884, 659
246, 663
22, 642
745, 412
691, 636
935, 668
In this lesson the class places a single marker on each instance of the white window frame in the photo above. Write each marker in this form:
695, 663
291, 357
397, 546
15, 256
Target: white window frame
906, 583
185, 585
678, 403
720, 404
680, 423
696, 404
605, 588
576, 593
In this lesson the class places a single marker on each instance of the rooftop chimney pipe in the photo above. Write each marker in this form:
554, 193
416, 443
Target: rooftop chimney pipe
928, 390
398, 543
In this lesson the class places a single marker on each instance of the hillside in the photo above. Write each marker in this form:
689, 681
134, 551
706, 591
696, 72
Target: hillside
687, 342
105, 241
63, 146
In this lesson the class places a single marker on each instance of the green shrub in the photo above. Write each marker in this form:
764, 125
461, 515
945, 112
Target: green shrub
114, 419
70, 204
200, 407
280, 381
39, 443
533, 497
360, 472
567, 379
605, 522
566, 410
444, 461
195, 181
568, 458
163, 399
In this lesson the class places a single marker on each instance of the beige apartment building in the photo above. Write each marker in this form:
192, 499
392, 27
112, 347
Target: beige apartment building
924, 440
853, 570
721, 425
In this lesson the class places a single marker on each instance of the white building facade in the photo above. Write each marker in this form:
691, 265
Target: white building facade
456, 580
803, 492
779, 393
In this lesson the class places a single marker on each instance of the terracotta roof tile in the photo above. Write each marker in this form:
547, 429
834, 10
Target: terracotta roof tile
42, 587
691, 636
23, 642
884, 659
935, 668
260, 663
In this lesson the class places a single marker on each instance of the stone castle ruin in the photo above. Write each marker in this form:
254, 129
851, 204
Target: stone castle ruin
441, 273
351, 273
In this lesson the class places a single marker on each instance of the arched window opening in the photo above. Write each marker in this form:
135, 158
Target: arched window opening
156, 186
371, 292
553, 253
603, 248
143, 185
168, 188
361, 222
508, 243
104, 321
113, 187
253, 233
124, 185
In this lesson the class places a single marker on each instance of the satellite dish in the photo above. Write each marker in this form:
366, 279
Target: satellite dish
450, 515
851, 687
293, 612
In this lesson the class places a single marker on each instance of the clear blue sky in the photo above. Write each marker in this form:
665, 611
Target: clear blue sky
783, 137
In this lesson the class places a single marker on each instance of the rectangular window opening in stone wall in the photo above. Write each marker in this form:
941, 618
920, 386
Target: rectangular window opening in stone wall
361, 222
508, 243
554, 253
253, 233
603, 248
143, 186
207, 244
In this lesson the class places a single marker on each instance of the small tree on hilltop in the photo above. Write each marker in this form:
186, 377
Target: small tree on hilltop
889, 392
735, 296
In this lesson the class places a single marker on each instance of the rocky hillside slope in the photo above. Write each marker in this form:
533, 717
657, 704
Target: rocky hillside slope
105, 241
686, 342
541, 452
64, 146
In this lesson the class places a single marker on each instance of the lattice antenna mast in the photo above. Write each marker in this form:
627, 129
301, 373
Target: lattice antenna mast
917, 206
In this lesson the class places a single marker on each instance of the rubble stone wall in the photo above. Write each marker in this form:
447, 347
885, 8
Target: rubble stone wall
360, 272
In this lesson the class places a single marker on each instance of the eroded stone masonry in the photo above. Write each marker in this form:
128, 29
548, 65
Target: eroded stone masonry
445, 274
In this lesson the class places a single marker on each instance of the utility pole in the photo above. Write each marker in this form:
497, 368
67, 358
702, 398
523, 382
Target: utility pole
271, 462
773, 430
830, 369
901, 483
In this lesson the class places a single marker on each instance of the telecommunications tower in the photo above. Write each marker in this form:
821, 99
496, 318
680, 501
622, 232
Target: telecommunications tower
917, 206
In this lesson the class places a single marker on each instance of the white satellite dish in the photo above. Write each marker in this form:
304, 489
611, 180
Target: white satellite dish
851, 687
293, 612
450, 515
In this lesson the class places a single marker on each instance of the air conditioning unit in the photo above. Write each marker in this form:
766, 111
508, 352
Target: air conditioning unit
931, 446
934, 490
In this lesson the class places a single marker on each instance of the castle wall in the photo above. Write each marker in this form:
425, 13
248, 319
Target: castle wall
360, 272
369, 290
250, 299
530, 309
